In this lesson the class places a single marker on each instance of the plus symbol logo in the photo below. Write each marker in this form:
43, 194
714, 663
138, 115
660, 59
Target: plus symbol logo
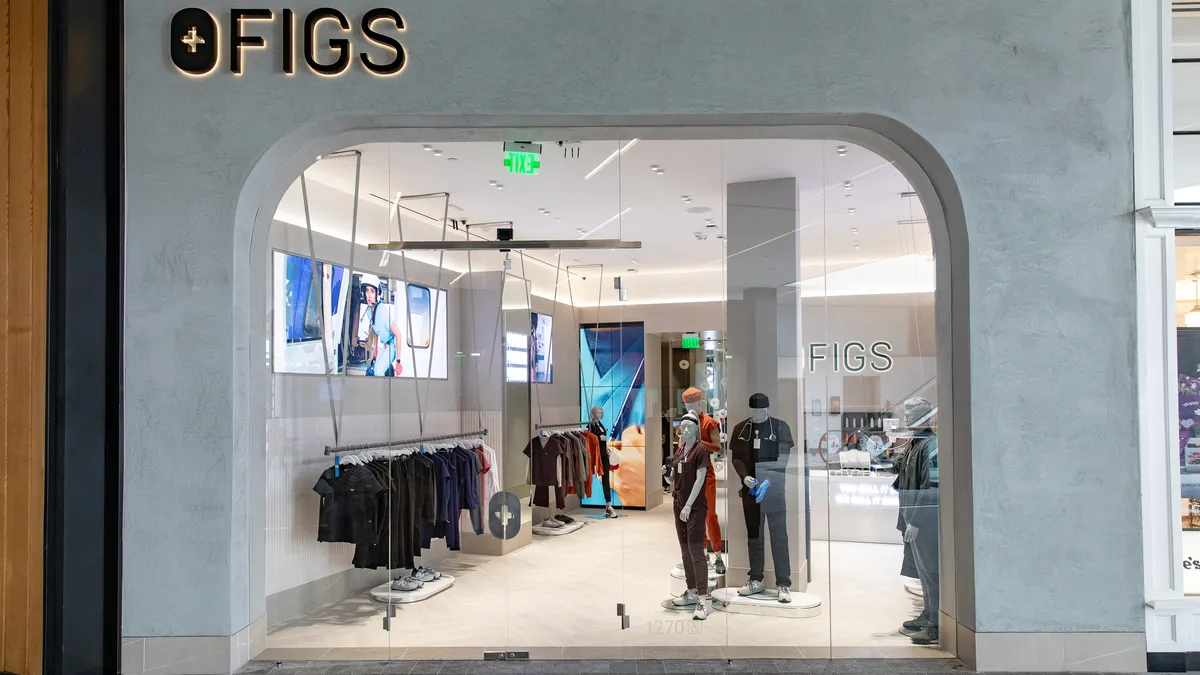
192, 40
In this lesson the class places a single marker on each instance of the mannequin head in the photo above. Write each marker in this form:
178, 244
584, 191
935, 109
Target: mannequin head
597, 413
918, 412
689, 429
693, 401
760, 407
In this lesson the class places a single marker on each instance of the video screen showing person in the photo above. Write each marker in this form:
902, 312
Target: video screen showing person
374, 326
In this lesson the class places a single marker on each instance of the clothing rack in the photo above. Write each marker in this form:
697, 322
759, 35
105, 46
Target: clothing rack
340, 449
566, 425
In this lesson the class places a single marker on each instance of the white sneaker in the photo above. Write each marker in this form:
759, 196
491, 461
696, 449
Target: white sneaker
610, 512
701, 612
785, 594
688, 599
752, 588
551, 524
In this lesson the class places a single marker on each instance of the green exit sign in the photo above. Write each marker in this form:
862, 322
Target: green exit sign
523, 162
691, 341
523, 157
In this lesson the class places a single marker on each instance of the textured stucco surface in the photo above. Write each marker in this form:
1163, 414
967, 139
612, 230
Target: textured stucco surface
1028, 102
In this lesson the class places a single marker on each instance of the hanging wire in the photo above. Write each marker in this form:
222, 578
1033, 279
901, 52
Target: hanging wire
320, 280
348, 320
408, 309
437, 297
553, 313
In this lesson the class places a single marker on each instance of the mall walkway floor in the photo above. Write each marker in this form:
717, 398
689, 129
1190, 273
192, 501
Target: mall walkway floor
621, 667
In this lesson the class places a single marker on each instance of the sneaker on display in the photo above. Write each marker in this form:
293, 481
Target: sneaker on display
407, 584
719, 568
551, 524
426, 574
752, 588
689, 598
785, 594
564, 519
701, 612
928, 637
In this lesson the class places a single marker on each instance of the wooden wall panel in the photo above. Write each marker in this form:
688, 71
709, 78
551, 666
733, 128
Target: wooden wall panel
23, 255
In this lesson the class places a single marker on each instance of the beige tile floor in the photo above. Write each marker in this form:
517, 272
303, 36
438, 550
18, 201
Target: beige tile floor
559, 595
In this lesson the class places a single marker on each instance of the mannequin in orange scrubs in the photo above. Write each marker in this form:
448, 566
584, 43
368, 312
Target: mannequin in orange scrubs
710, 437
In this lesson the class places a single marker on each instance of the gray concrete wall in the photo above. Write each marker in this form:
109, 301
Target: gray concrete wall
1027, 104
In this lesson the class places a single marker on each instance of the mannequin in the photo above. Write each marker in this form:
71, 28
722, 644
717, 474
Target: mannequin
917, 483
690, 464
761, 447
710, 438
596, 427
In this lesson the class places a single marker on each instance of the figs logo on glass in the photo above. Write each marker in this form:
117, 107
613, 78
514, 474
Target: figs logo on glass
328, 41
853, 356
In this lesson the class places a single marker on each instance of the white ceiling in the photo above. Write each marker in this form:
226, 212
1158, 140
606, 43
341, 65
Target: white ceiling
627, 200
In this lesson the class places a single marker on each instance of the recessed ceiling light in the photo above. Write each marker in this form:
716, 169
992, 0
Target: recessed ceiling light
580, 230
846, 184
841, 151
631, 271
499, 186
437, 153
492, 183
698, 209
854, 230
851, 210
427, 148
633, 260
451, 159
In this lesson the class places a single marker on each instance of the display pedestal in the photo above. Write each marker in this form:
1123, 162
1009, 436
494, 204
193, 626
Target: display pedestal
384, 592
803, 605
679, 581
558, 531
913, 586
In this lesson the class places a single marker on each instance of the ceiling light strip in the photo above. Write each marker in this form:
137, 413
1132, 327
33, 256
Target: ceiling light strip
610, 158
585, 235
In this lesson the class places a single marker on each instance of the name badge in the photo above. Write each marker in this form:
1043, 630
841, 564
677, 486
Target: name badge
757, 443
680, 469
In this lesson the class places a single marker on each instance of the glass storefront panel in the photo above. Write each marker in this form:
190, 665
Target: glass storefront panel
602, 451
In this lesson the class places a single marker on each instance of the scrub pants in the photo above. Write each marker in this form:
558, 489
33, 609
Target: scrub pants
691, 546
604, 479
713, 537
775, 522
925, 554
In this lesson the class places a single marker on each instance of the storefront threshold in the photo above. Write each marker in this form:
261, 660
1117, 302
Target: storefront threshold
627, 666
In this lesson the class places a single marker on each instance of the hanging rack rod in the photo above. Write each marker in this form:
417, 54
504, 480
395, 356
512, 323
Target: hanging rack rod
341, 449
559, 426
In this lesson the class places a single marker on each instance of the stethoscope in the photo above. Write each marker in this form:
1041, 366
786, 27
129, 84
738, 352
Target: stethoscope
770, 427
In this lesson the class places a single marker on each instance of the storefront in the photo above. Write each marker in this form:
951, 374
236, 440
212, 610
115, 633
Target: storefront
857, 254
